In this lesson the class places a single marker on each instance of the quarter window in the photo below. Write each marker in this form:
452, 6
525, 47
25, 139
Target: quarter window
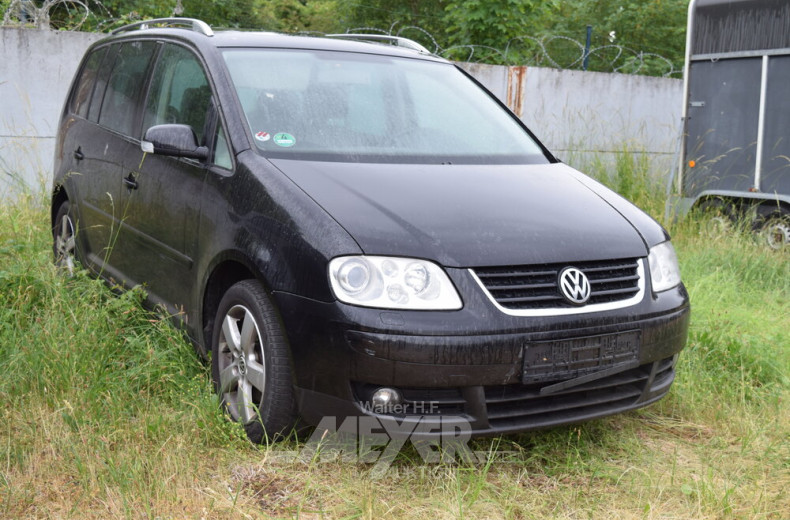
221, 149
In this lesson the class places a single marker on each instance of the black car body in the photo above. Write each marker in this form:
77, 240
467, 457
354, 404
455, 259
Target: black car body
235, 221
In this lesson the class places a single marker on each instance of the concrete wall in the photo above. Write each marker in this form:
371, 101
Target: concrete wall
581, 116
591, 116
36, 69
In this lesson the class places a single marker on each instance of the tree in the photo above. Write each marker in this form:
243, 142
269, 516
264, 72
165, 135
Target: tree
408, 18
324, 16
658, 26
487, 22
508, 28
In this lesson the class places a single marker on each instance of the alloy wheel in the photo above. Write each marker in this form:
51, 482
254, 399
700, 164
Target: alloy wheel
242, 372
65, 244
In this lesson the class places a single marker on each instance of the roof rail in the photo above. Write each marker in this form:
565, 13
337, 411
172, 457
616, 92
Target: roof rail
190, 23
394, 40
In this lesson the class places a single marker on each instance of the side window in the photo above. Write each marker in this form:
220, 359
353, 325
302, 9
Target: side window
179, 92
102, 78
82, 93
127, 80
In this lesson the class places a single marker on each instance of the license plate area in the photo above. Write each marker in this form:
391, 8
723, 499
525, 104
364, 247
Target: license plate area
570, 358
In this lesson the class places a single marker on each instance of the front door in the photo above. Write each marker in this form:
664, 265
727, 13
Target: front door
163, 194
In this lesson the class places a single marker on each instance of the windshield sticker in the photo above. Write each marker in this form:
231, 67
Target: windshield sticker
284, 139
262, 136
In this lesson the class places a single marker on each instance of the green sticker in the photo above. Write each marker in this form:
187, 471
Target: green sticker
284, 139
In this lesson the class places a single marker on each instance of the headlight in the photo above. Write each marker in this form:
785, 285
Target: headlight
664, 269
392, 283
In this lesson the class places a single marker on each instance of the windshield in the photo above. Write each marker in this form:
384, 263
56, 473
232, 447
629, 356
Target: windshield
340, 106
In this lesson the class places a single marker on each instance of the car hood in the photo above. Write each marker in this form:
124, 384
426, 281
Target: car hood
470, 215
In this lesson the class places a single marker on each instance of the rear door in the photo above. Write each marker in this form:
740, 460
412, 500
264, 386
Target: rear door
88, 173
101, 146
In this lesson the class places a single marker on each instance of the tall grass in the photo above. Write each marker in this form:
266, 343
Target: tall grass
106, 411
629, 172
97, 393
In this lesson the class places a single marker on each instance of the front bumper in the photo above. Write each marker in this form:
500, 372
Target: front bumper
500, 409
467, 367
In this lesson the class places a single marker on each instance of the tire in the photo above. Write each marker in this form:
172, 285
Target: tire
774, 226
250, 363
718, 218
64, 243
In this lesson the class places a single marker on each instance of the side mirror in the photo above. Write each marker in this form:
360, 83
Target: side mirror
173, 140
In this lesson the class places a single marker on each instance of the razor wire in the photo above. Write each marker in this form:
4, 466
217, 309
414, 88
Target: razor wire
542, 51
74, 13
554, 51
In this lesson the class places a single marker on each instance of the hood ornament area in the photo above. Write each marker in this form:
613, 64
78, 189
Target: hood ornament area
574, 286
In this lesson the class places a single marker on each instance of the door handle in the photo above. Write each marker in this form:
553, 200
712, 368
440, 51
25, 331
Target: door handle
78, 153
130, 182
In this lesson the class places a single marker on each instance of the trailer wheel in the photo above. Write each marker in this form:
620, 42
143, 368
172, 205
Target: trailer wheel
717, 216
774, 226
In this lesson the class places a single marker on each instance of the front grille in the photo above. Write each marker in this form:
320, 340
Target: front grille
536, 286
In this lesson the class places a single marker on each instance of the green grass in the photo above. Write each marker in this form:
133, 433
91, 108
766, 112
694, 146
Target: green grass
106, 411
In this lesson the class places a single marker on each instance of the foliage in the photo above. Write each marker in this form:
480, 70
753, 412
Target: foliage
510, 29
270, 15
273, 15
657, 27
386, 14
399, 17
225, 13
487, 22
299, 15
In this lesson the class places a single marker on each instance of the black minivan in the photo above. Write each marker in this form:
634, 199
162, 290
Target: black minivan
350, 226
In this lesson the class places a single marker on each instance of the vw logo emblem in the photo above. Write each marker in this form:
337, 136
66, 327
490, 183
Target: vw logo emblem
574, 285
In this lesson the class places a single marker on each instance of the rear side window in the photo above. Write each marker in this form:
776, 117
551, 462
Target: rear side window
179, 92
82, 94
127, 80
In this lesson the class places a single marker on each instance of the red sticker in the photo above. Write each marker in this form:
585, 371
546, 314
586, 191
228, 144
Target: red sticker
263, 136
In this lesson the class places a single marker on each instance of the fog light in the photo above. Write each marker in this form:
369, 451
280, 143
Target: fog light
385, 398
